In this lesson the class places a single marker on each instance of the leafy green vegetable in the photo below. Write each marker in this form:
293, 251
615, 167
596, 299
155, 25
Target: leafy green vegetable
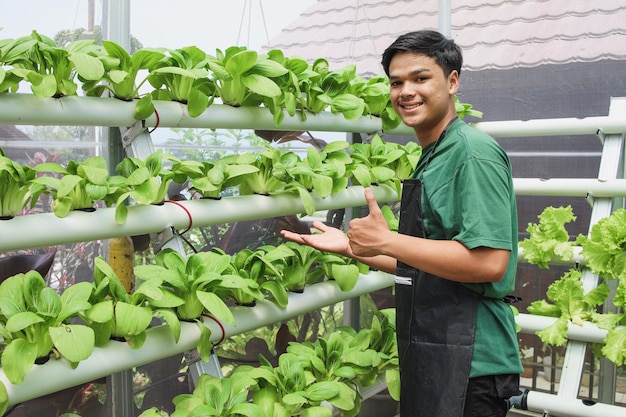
35, 319
17, 188
244, 77
183, 77
569, 303
605, 247
116, 314
80, 185
51, 70
549, 238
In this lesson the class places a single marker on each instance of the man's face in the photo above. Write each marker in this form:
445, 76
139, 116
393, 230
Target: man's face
420, 92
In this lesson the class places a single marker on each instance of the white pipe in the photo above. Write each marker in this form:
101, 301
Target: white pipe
118, 356
41, 230
27, 109
556, 405
588, 332
554, 127
571, 187
49, 230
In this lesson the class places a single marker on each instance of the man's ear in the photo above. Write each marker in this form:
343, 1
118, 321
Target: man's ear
453, 82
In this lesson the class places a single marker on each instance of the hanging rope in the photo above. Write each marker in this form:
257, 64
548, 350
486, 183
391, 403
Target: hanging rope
248, 5
351, 57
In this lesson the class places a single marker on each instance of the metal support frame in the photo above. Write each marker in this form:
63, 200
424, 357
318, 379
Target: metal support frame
48, 230
565, 403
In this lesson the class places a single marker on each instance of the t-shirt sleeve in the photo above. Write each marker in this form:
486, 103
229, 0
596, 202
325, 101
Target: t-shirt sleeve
481, 196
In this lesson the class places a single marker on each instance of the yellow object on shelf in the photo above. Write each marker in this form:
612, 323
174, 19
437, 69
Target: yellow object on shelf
120, 256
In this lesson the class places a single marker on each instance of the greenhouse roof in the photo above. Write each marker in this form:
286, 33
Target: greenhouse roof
494, 34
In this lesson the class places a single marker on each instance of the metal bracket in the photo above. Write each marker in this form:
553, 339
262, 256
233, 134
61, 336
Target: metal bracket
601, 135
137, 141
199, 367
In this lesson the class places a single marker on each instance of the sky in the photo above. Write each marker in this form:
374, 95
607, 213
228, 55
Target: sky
207, 24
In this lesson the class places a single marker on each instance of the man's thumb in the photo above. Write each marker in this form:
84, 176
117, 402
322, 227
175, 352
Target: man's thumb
372, 204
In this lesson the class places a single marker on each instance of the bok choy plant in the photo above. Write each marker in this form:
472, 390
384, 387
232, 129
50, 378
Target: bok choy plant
116, 314
51, 70
196, 280
17, 188
332, 90
183, 76
216, 397
77, 186
35, 322
244, 77
210, 179
252, 265
290, 389
146, 182
272, 178
121, 76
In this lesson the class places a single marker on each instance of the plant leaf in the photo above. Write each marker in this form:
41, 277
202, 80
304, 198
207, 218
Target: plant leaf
17, 358
75, 342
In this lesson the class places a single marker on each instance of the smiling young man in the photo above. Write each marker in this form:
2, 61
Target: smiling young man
455, 253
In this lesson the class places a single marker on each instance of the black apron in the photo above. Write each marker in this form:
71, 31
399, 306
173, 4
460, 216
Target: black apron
436, 319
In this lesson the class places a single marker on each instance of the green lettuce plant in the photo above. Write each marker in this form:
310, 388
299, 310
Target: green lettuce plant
195, 280
332, 90
52, 70
35, 323
17, 188
210, 179
244, 77
144, 181
77, 186
183, 76
549, 238
115, 314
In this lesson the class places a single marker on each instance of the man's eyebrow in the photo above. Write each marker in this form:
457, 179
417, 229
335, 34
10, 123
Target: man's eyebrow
413, 73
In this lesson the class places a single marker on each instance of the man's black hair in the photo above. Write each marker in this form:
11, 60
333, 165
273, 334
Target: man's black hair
444, 51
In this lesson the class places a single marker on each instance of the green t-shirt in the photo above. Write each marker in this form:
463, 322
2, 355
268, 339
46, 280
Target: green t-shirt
468, 196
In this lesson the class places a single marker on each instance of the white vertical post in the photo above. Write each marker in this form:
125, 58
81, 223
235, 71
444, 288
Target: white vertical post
445, 18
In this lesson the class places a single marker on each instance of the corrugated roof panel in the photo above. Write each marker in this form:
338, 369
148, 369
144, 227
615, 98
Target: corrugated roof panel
492, 33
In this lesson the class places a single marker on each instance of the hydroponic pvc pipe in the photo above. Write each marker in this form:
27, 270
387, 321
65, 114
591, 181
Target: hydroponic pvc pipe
41, 230
118, 356
587, 332
555, 405
27, 109
570, 187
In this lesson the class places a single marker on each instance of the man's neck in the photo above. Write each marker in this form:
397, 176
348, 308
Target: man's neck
427, 136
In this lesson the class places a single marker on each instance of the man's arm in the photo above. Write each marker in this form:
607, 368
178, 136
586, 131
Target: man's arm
370, 238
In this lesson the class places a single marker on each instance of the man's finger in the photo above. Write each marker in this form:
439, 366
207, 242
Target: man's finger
372, 204
292, 236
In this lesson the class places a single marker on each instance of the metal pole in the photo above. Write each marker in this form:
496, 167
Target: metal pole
444, 15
